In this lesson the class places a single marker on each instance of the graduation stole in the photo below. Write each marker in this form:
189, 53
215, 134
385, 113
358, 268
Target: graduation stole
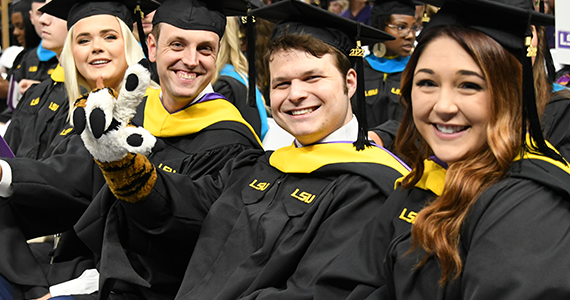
58, 74
387, 65
433, 178
213, 108
307, 159
556, 163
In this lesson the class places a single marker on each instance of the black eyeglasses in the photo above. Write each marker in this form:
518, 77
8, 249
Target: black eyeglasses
404, 30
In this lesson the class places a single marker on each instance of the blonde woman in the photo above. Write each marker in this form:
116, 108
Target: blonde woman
231, 79
99, 44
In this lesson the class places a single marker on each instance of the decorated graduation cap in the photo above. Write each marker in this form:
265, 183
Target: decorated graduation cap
507, 22
207, 15
129, 11
297, 17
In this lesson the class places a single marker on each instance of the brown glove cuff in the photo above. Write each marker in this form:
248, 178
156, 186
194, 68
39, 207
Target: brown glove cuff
131, 179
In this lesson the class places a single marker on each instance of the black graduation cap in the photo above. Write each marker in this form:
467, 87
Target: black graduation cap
207, 15
297, 17
394, 7
129, 11
507, 22
75, 10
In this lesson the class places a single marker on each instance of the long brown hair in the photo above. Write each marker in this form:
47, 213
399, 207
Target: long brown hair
437, 227
542, 86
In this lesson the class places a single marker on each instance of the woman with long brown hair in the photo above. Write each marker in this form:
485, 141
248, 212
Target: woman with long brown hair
484, 214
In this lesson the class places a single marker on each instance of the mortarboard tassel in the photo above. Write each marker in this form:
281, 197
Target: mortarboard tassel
251, 98
530, 119
360, 110
139, 15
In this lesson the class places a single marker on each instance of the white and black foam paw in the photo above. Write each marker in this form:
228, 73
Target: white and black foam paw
108, 136
139, 140
135, 83
99, 111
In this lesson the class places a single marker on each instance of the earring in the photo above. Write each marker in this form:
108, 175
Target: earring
379, 49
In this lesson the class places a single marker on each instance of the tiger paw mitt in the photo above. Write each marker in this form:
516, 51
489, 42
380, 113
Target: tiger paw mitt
104, 121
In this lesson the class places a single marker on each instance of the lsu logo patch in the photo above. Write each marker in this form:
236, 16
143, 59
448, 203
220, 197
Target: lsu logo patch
261, 186
369, 93
66, 131
303, 196
395, 91
53, 106
166, 168
33, 69
410, 218
35, 101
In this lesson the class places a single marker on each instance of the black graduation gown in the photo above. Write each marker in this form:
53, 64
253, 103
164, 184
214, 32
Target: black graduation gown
556, 123
39, 117
275, 219
69, 179
382, 91
236, 93
513, 244
30, 67
216, 134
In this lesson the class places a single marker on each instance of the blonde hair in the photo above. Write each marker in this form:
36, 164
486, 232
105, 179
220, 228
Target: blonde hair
74, 81
230, 52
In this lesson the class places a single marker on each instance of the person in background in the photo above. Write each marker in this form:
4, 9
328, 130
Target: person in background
358, 10
26, 36
44, 110
40, 63
385, 63
485, 210
37, 65
231, 79
553, 99
338, 6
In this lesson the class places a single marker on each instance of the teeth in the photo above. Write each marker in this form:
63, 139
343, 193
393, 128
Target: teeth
450, 129
186, 75
99, 62
302, 111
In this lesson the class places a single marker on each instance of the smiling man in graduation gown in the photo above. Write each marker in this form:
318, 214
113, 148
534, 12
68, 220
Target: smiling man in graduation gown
270, 221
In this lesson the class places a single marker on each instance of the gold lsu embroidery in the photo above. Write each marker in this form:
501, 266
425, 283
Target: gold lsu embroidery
166, 168
410, 218
260, 186
303, 196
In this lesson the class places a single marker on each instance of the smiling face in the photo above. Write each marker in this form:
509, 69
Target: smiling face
310, 98
450, 102
401, 46
19, 30
99, 50
185, 61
